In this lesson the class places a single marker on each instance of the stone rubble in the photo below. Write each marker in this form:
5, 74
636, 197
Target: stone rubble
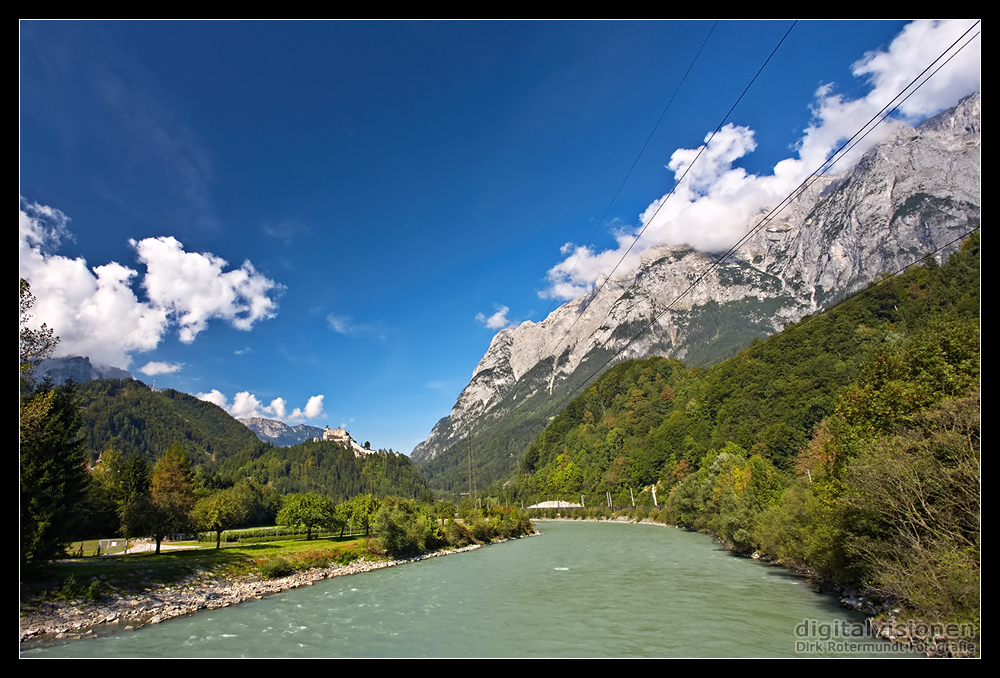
47, 621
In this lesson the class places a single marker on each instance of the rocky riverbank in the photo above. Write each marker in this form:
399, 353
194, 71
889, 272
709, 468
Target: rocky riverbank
45, 622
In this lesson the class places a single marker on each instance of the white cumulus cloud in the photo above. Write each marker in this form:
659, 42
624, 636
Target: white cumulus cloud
153, 368
194, 288
314, 408
278, 407
246, 405
712, 205
214, 396
95, 311
496, 321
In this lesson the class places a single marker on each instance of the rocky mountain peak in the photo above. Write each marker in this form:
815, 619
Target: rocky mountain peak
914, 193
279, 433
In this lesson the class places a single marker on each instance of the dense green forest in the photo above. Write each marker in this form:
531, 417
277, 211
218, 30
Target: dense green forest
127, 417
128, 432
847, 444
330, 469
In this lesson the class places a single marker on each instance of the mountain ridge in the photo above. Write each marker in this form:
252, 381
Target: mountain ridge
278, 432
913, 193
78, 369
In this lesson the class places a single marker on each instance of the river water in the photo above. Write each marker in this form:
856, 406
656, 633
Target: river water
578, 590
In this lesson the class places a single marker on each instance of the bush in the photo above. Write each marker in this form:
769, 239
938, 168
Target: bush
457, 534
392, 530
275, 567
312, 559
480, 529
96, 590
70, 589
74, 589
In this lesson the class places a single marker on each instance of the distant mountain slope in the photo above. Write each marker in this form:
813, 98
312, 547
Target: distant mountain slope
653, 420
278, 432
912, 194
126, 414
77, 368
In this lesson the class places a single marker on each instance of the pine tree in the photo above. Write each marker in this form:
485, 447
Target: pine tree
53, 472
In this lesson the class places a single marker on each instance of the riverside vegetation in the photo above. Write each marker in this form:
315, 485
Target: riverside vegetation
77, 596
139, 486
847, 445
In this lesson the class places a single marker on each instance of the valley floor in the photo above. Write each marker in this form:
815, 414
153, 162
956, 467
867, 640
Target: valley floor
46, 623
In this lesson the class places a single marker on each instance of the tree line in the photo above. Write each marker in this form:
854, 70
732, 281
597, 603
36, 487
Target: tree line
126, 416
113, 457
213, 476
849, 444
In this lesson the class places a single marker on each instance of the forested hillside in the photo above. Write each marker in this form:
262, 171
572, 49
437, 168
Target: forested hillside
126, 416
328, 468
848, 444
914, 193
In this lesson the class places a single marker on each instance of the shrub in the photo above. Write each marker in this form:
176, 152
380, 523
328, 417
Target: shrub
275, 567
481, 531
313, 559
70, 589
96, 590
457, 534
392, 530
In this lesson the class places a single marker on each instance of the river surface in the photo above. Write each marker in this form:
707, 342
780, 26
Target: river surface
578, 590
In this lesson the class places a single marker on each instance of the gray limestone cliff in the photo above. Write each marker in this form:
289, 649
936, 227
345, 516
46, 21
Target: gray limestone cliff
279, 433
78, 369
914, 193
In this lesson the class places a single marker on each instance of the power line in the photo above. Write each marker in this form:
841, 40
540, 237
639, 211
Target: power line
926, 258
704, 147
831, 160
641, 151
750, 350
663, 201
694, 60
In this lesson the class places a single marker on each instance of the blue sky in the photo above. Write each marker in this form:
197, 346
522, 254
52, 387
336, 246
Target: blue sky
327, 222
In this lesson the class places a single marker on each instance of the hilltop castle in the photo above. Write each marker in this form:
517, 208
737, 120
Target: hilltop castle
343, 438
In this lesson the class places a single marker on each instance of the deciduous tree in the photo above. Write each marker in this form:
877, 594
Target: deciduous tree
172, 495
913, 503
363, 510
35, 345
220, 511
311, 510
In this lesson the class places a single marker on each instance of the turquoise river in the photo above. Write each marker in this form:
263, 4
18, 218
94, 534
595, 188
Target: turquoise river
577, 590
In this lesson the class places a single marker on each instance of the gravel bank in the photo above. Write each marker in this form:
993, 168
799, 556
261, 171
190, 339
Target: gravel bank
45, 622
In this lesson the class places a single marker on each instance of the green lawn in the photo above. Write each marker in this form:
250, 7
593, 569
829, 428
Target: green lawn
136, 572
